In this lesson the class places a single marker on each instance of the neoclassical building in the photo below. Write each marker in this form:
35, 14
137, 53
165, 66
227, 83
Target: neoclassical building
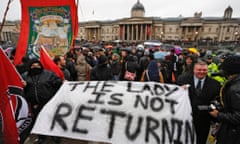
10, 32
139, 28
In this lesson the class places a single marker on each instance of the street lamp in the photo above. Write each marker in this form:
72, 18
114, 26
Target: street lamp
161, 35
196, 35
236, 35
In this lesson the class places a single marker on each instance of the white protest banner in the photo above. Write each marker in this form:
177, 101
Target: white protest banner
119, 113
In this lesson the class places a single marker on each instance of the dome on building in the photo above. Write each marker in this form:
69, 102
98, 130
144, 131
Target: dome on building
138, 10
138, 6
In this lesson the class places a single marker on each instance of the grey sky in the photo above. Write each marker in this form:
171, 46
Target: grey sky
114, 9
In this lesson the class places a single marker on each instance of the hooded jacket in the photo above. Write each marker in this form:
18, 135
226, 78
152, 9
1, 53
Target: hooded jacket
40, 87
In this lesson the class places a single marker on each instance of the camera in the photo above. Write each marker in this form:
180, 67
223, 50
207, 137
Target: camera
215, 105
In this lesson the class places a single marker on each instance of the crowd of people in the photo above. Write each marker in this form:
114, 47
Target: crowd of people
136, 63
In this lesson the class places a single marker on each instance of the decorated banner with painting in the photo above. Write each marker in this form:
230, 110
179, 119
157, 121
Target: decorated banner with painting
52, 24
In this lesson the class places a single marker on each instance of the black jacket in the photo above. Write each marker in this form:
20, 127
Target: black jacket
115, 66
130, 64
101, 72
71, 68
201, 117
230, 117
41, 88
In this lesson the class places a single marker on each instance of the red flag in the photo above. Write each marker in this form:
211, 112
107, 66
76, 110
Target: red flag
121, 30
48, 63
9, 78
148, 30
31, 23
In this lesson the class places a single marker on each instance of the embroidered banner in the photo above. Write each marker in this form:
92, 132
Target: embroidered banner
52, 23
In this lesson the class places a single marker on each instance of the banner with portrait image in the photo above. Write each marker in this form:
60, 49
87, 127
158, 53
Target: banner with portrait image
119, 113
51, 23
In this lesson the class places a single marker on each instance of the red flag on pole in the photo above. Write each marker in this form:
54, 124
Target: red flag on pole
48, 63
9, 78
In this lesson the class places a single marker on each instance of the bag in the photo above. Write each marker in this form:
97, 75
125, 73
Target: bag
88, 73
213, 133
129, 75
143, 76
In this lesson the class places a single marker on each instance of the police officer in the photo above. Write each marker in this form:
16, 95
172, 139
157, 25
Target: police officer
212, 67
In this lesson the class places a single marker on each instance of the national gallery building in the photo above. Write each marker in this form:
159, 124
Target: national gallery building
139, 28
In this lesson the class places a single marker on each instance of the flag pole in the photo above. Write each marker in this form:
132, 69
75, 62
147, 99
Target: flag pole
11, 106
75, 26
5, 15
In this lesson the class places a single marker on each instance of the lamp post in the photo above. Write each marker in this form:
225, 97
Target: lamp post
236, 36
196, 40
161, 35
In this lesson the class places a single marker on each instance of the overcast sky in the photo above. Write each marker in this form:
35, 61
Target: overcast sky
115, 9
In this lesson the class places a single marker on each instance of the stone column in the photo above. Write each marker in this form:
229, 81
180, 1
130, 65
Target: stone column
132, 32
137, 32
186, 34
128, 32
141, 33
194, 33
123, 32
145, 32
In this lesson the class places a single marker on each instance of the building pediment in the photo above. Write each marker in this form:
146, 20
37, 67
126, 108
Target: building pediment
192, 22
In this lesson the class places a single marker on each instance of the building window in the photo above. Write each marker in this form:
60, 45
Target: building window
227, 38
228, 29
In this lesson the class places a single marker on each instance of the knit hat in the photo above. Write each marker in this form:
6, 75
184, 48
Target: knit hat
231, 65
32, 61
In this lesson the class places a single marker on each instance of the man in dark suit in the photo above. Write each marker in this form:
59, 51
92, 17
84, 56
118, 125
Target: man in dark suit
202, 91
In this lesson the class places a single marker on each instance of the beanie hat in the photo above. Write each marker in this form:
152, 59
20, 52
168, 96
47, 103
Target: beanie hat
32, 61
231, 65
